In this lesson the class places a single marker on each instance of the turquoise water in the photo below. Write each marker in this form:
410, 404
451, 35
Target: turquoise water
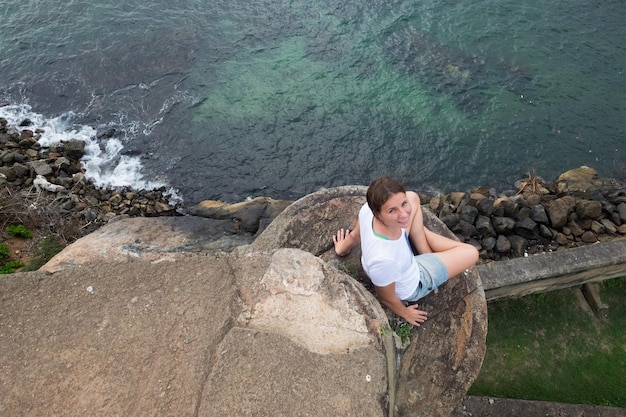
235, 99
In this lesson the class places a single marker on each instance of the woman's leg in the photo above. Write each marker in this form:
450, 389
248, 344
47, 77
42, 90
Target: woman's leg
416, 229
456, 256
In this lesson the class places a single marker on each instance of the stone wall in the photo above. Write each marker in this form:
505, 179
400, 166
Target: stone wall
577, 209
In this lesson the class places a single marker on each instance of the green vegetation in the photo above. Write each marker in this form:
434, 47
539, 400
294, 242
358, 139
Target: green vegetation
45, 250
350, 270
551, 347
19, 230
4, 251
37, 217
7, 266
404, 332
10, 267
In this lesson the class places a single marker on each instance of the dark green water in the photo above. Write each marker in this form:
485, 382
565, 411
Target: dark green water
232, 99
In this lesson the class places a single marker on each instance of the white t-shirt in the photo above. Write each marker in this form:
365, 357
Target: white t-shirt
386, 261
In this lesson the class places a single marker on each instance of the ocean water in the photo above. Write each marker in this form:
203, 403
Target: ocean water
231, 99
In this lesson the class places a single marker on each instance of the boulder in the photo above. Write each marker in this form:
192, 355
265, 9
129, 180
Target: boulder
485, 227
445, 354
589, 237
608, 226
503, 245
579, 180
245, 334
469, 214
250, 216
589, 209
41, 167
456, 197
507, 205
583, 182
503, 225
8, 173
74, 149
165, 324
126, 238
539, 214
485, 206
435, 204
489, 243
558, 211
527, 228
519, 245
621, 208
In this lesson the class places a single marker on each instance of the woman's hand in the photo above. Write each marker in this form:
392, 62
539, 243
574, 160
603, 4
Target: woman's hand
343, 242
346, 239
414, 316
387, 295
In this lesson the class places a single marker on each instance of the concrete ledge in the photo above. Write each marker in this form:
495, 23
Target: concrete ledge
553, 270
497, 407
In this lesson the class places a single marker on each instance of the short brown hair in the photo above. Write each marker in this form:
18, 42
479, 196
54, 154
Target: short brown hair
380, 190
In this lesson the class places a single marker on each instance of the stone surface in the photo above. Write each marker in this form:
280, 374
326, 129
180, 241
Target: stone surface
117, 339
249, 216
503, 225
278, 333
588, 209
578, 180
445, 353
622, 211
558, 211
147, 238
152, 283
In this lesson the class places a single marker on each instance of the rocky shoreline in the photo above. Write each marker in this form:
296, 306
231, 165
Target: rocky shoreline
538, 216
55, 177
576, 209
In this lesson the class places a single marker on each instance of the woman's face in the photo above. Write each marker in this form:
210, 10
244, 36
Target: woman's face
396, 212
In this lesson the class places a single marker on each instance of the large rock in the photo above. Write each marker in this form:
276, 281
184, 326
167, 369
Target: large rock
162, 324
241, 334
445, 353
249, 216
559, 209
584, 182
151, 238
577, 180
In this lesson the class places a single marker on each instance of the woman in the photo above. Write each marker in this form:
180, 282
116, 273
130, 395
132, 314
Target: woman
386, 226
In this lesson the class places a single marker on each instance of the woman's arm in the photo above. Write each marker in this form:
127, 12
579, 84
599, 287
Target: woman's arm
345, 240
411, 314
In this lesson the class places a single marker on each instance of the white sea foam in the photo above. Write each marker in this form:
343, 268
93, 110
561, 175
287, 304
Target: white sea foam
103, 160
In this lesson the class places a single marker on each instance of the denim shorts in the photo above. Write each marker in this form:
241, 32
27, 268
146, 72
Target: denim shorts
433, 273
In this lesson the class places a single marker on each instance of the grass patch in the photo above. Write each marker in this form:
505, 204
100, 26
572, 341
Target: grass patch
550, 347
45, 250
34, 228
20, 231
10, 267
4, 251
7, 265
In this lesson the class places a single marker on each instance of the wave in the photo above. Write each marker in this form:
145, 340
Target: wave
104, 163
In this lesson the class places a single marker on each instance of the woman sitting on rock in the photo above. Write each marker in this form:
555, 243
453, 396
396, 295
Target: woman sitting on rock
384, 226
